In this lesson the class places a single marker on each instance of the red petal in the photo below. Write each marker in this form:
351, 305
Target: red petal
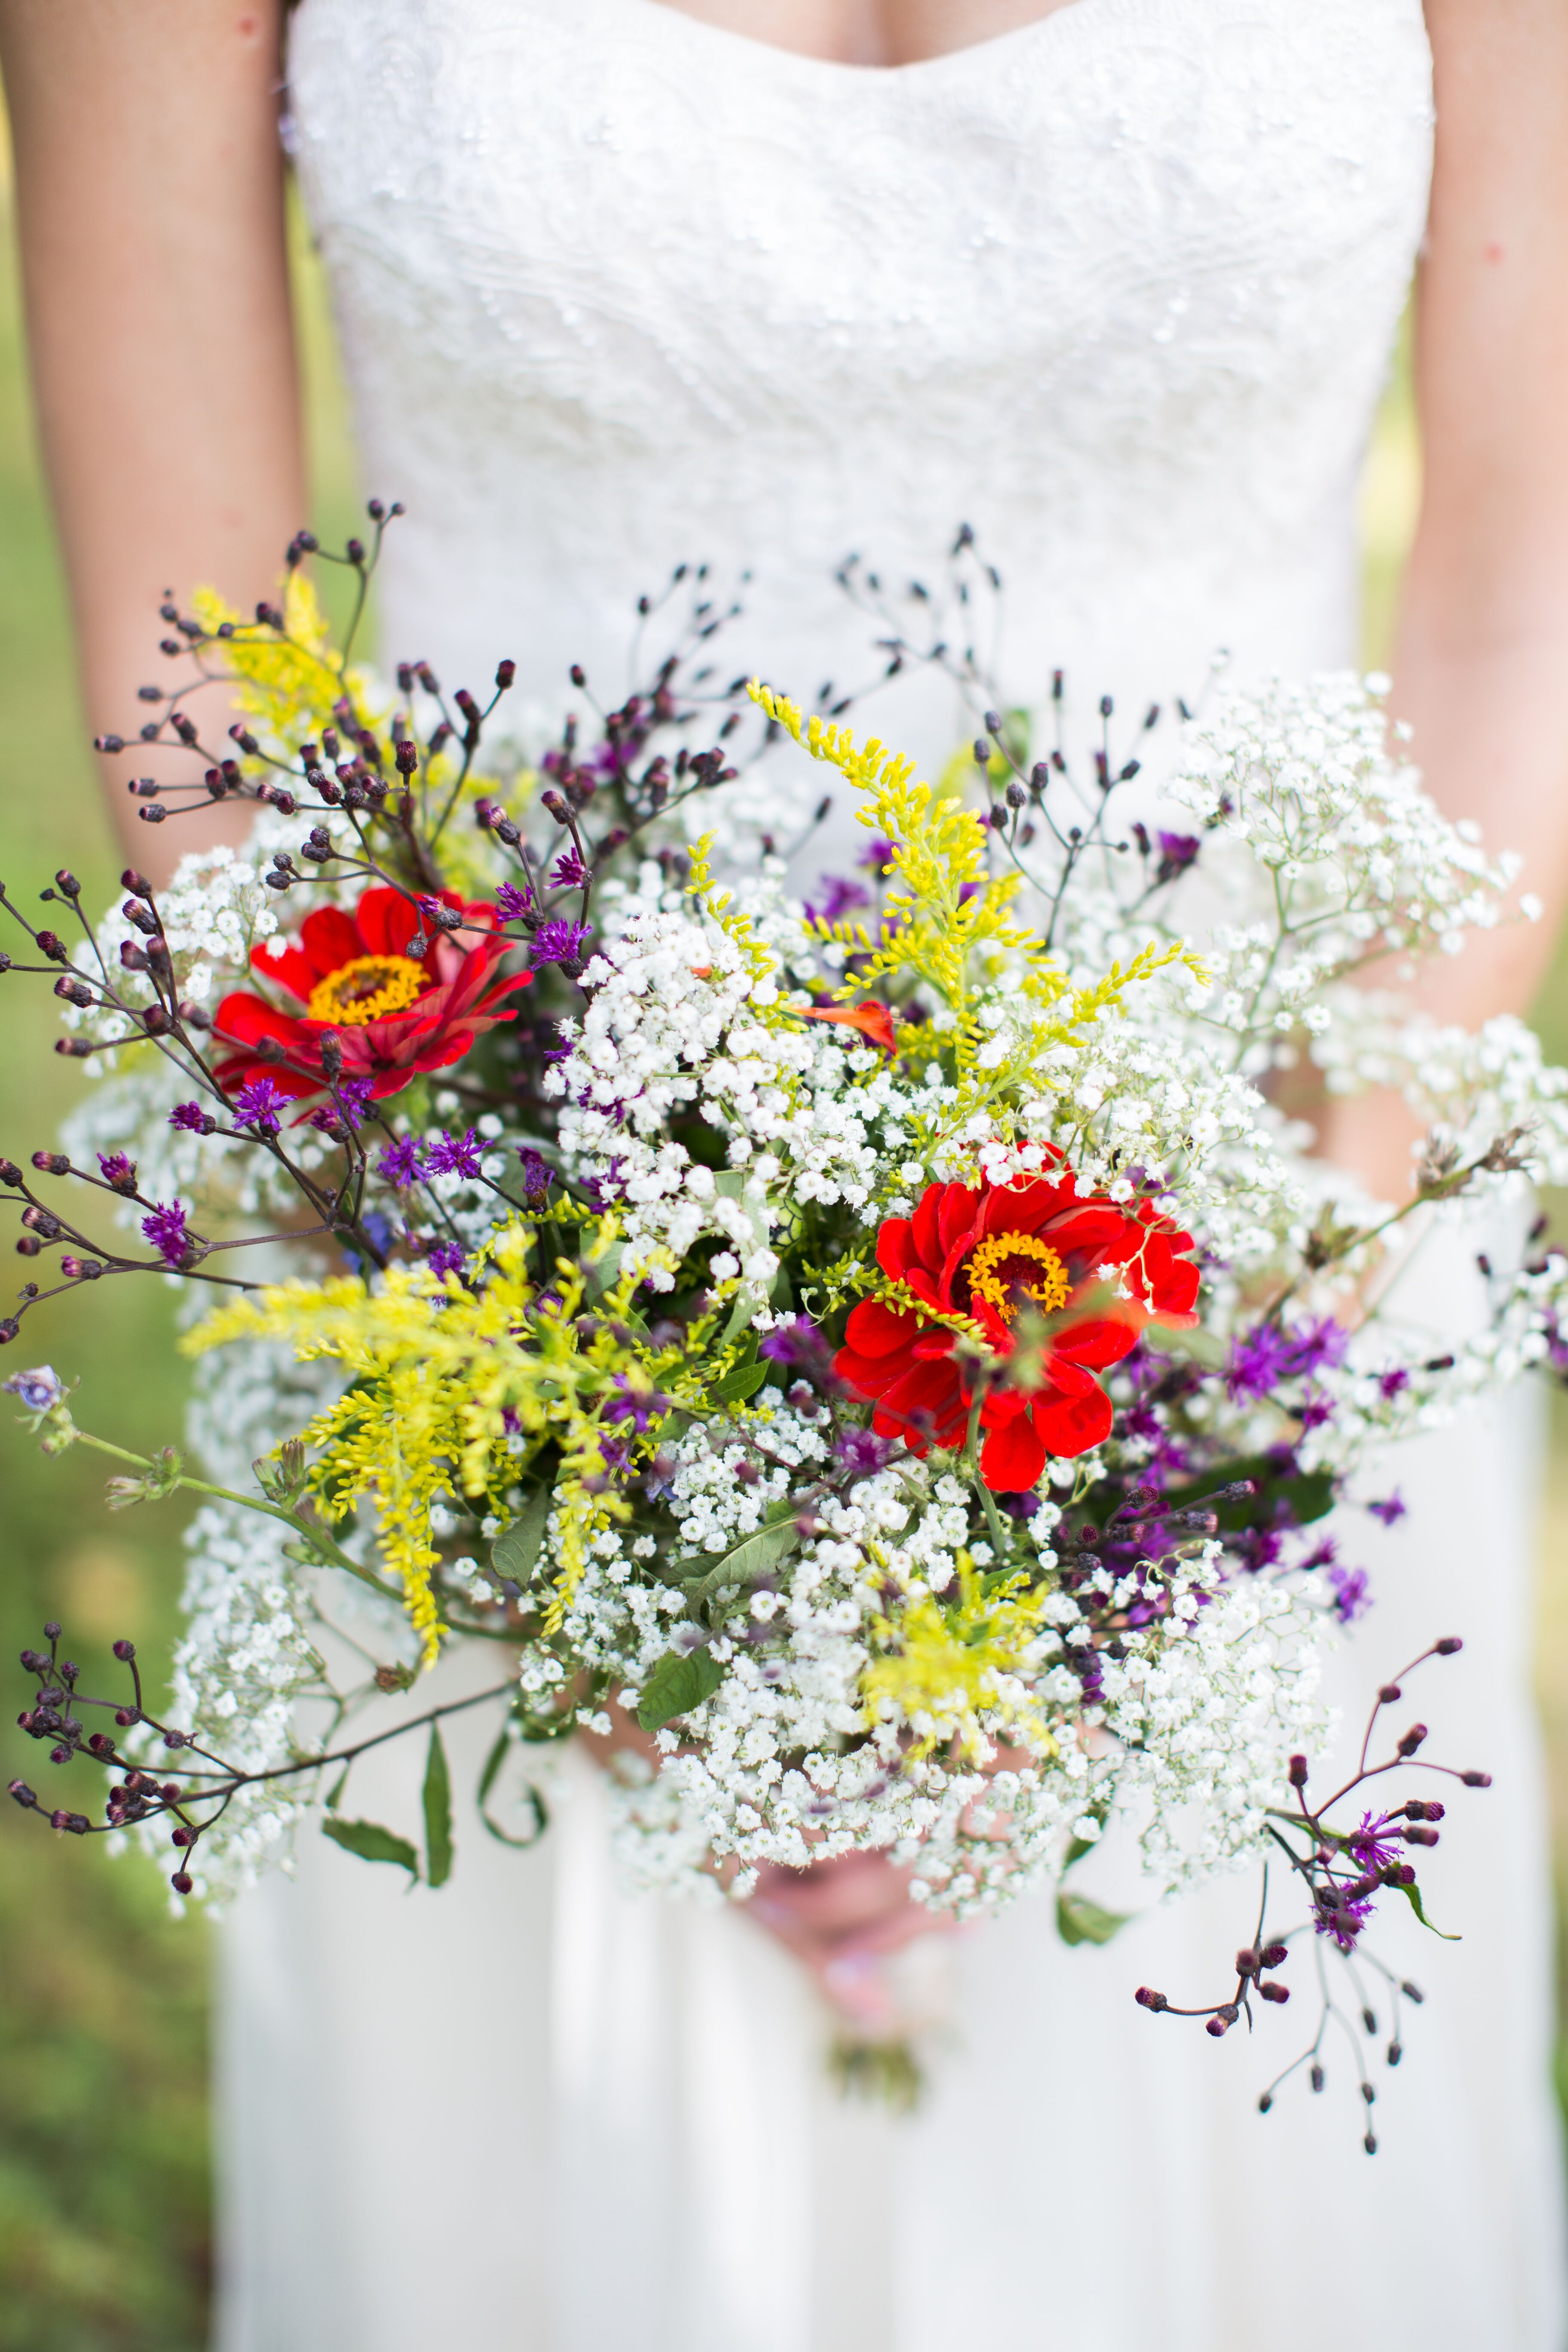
386, 922
929, 1390
1012, 1457
1070, 1425
895, 1248
289, 970
246, 1018
923, 1227
875, 1329
873, 1021
958, 1215
1099, 1340
329, 940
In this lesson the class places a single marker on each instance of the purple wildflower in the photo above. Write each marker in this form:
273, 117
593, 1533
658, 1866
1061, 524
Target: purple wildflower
257, 1106
1177, 852
1372, 1851
537, 1176
447, 1258
1391, 1510
1352, 1593
118, 1171
402, 1162
639, 1405
513, 903
792, 1337
862, 1452
192, 1117
559, 943
1268, 1355
39, 1389
454, 1155
839, 898
354, 1100
166, 1229
570, 874
876, 855
1258, 1548
1394, 1383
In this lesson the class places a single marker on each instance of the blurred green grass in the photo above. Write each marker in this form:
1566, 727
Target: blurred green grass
104, 2209
104, 2228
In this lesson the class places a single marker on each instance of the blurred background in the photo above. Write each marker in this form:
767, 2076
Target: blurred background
104, 2222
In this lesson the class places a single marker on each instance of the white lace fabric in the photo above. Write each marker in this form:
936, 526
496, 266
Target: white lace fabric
618, 290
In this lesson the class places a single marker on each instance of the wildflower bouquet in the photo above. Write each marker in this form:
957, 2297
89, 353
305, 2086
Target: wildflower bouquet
882, 1361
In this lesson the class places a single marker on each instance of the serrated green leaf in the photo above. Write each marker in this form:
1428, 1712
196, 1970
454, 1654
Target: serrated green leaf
1079, 1921
515, 1551
737, 1386
372, 1844
437, 1802
531, 1797
676, 1685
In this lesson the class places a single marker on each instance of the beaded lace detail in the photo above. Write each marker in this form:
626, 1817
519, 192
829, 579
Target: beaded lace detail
619, 289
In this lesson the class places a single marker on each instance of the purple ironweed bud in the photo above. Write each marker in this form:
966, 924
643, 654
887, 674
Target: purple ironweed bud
1393, 2053
67, 883
1147, 1997
124, 1716
505, 673
1447, 1645
9, 1329
407, 757
1411, 1992
51, 944
174, 1739
181, 1882
1412, 1739
23, 1795
1477, 1780
1274, 1992
124, 1651
1217, 2026
1297, 1772
52, 1163
1420, 1835
1316, 2077
1388, 1695
1246, 1962
1275, 1956
1265, 2101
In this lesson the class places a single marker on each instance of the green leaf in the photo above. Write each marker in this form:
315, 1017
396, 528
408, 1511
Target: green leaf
372, 1844
1413, 1896
751, 1558
338, 1786
602, 1274
515, 1551
1308, 1496
437, 1802
531, 1797
737, 1386
1079, 1921
676, 1685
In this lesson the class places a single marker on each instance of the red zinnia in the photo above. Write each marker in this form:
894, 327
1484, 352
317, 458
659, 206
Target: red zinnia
983, 1254
393, 1013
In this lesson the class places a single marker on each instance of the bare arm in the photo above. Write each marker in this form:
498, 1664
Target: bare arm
150, 189
1481, 656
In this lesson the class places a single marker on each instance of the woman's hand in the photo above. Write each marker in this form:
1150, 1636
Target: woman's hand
842, 1919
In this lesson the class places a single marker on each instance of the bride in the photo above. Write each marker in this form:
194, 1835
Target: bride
763, 283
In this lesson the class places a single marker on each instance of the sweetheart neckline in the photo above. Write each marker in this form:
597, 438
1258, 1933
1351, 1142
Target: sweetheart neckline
808, 59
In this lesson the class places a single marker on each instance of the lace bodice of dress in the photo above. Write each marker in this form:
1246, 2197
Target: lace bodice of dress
617, 288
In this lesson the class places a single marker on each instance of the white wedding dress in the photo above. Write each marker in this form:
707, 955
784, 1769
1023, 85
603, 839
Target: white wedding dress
617, 289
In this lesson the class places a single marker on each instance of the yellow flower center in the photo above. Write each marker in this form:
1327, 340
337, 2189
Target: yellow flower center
1007, 1267
368, 988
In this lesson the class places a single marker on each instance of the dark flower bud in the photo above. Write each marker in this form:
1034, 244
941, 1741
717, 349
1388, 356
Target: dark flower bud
332, 1054
1246, 1962
181, 1882
1016, 794
1411, 1992
1412, 1739
67, 883
1297, 1772
505, 673
1389, 1693
23, 1795
155, 1021
1218, 2027
407, 757
152, 813
1477, 1780
1447, 1645
174, 1739
1393, 2053
1275, 1956
109, 743
1265, 2101
1274, 1992
1316, 2077
52, 1163
1420, 1836
506, 831
124, 1715
53, 946
1147, 1999
182, 1837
